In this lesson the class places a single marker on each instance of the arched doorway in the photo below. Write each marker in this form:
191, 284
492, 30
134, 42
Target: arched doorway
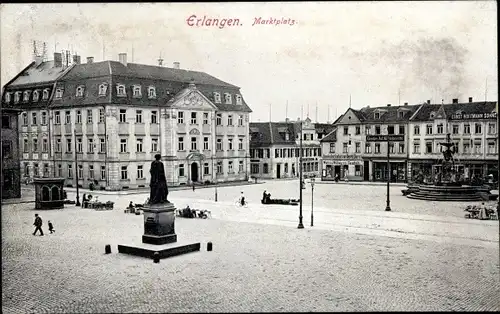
194, 172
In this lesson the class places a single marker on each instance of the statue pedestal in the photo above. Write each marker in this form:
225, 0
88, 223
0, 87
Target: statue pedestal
159, 224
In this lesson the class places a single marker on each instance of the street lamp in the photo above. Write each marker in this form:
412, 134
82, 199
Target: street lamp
312, 201
388, 207
76, 170
301, 225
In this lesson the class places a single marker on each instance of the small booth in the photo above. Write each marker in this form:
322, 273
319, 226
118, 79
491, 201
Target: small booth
49, 193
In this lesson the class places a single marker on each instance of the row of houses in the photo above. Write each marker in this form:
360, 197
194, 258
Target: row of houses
342, 149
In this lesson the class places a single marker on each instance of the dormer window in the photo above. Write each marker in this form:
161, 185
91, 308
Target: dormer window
103, 88
45, 95
136, 90
238, 100
401, 114
120, 90
377, 115
17, 96
432, 115
217, 98
59, 93
26, 95
36, 95
79, 91
287, 136
151, 92
227, 98
7, 97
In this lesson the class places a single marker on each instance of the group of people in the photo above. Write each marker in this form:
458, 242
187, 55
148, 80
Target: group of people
266, 197
38, 225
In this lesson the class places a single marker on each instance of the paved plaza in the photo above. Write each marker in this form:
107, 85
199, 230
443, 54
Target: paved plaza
421, 256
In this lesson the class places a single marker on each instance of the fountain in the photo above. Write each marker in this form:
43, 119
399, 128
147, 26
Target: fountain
448, 182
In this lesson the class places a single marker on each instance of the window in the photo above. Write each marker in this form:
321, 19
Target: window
377, 130
401, 148
205, 143
478, 128
368, 129
45, 145
154, 116
138, 116
358, 147
346, 130
344, 148
219, 167
151, 92
181, 170
79, 145
59, 171
90, 144
240, 166
102, 89
58, 145
78, 116
416, 130
44, 118
401, 114
429, 128
240, 144
154, 145
416, 148
265, 168
90, 117
123, 145
390, 129
230, 144
79, 91
230, 166
217, 98
25, 118
492, 128
124, 173
180, 145
33, 118
26, 169
368, 148
136, 91
103, 172
377, 148
218, 119
206, 169
205, 118
57, 117
7, 97
17, 95
26, 147
491, 148
477, 146
91, 172
180, 117
377, 115
120, 90
102, 145
466, 128
193, 143
69, 147
358, 130
193, 118
123, 116
455, 129
46, 170
5, 122
70, 171
401, 129
219, 144
35, 170
466, 148
101, 115
238, 100
80, 171
428, 147
139, 145
67, 116
26, 95
230, 120
140, 172
35, 145
59, 93
392, 148
240, 120
6, 149
357, 170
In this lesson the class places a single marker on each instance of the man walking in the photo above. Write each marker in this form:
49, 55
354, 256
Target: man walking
38, 225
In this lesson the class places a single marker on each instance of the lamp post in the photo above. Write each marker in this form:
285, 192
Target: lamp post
388, 207
301, 225
76, 170
312, 201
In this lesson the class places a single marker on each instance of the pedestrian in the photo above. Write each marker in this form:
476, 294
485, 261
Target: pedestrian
38, 225
51, 227
193, 187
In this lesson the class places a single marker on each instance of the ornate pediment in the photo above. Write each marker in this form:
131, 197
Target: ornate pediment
194, 131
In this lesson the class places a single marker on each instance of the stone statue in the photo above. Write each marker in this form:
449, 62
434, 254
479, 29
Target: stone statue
158, 183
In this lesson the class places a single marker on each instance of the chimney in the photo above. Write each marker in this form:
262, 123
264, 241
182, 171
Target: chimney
287, 120
90, 60
122, 57
177, 65
160, 62
406, 104
388, 105
470, 99
428, 101
76, 59
57, 60
455, 100
38, 60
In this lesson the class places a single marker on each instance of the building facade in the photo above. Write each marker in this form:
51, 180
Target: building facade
11, 172
113, 117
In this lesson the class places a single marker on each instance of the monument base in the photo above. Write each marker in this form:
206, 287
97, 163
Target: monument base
158, 240
169, 250
159, 224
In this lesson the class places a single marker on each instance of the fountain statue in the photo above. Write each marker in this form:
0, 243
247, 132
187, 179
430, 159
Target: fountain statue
448, 174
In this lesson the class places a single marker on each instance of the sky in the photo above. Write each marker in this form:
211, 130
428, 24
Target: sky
335, 55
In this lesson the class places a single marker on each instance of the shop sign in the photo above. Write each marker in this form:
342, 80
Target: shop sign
337, 156
383, 138
343, 162
474, 116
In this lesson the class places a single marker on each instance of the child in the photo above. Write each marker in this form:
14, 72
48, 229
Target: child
51, 227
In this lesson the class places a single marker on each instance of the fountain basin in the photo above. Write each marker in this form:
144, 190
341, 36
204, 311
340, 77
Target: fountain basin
449, 193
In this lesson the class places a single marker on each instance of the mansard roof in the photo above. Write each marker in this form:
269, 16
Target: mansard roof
388, 114
264, 134
426, 110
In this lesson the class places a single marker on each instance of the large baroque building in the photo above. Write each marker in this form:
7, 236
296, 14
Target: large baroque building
114, 116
